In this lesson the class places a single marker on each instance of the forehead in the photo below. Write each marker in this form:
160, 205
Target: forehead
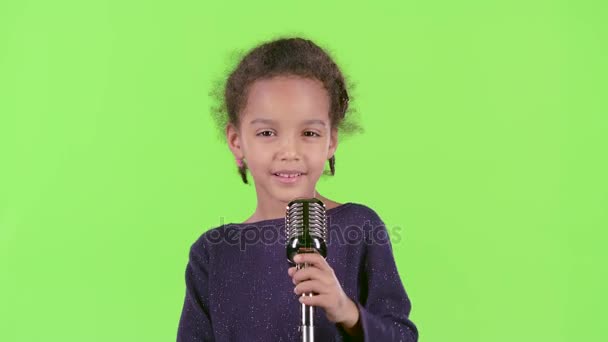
287, 98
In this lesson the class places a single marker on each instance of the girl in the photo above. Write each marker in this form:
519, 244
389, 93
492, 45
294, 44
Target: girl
283, 104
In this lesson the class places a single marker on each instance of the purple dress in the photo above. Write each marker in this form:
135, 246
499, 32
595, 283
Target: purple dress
238, 289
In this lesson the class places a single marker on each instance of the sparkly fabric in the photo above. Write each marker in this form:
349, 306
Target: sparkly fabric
238, 289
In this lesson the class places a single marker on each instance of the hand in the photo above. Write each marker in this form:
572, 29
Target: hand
319, 278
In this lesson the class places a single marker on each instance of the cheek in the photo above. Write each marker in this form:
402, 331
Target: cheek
257, 164
259, 160
318, 162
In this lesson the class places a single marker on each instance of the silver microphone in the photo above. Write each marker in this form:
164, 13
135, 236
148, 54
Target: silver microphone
306, 232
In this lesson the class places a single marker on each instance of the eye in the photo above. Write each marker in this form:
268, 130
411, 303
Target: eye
314, 134
262, 133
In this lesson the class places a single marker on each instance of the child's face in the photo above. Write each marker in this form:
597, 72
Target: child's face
285, 126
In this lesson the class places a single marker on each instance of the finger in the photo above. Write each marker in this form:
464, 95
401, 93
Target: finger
310, 286
319, 300
309, 273
291, 271
314, 259
302, 267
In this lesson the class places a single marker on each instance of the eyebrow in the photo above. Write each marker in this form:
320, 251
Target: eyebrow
269, 121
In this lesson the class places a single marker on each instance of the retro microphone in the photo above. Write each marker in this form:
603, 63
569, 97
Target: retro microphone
306, 232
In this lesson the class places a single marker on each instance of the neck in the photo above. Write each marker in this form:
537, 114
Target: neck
270, 208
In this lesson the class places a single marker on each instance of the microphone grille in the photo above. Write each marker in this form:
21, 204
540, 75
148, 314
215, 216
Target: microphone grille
306, 225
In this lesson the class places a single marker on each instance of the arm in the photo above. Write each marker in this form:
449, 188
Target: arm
384, 308
194, 323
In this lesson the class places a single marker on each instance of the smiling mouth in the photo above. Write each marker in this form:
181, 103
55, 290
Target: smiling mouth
288, 175
288, 178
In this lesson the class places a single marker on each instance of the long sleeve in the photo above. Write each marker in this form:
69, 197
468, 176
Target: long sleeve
194, 323
385, 307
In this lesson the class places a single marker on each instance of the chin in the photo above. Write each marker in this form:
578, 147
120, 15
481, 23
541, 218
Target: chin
288, 195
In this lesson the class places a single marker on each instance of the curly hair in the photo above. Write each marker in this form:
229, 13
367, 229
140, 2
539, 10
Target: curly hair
282, 57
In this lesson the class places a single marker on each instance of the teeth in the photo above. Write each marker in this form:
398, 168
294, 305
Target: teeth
288, 175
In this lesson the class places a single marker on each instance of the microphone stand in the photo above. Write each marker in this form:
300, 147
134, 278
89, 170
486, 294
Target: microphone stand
307, 328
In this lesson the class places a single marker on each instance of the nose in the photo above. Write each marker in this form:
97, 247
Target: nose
289, 149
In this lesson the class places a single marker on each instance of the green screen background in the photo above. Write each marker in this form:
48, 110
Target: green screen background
484, 148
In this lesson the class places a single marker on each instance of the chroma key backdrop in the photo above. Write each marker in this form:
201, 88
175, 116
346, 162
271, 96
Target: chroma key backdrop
484, 150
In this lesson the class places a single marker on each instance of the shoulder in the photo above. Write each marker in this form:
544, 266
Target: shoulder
204, 243
368, 221
361, 213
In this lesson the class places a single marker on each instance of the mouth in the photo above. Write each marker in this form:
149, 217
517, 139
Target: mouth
288, 177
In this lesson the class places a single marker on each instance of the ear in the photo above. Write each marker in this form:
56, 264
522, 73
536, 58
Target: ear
333, 142
234, 141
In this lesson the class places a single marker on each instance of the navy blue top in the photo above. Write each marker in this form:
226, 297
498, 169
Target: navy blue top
238, 289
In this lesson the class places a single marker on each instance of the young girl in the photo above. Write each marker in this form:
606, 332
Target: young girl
284, 103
